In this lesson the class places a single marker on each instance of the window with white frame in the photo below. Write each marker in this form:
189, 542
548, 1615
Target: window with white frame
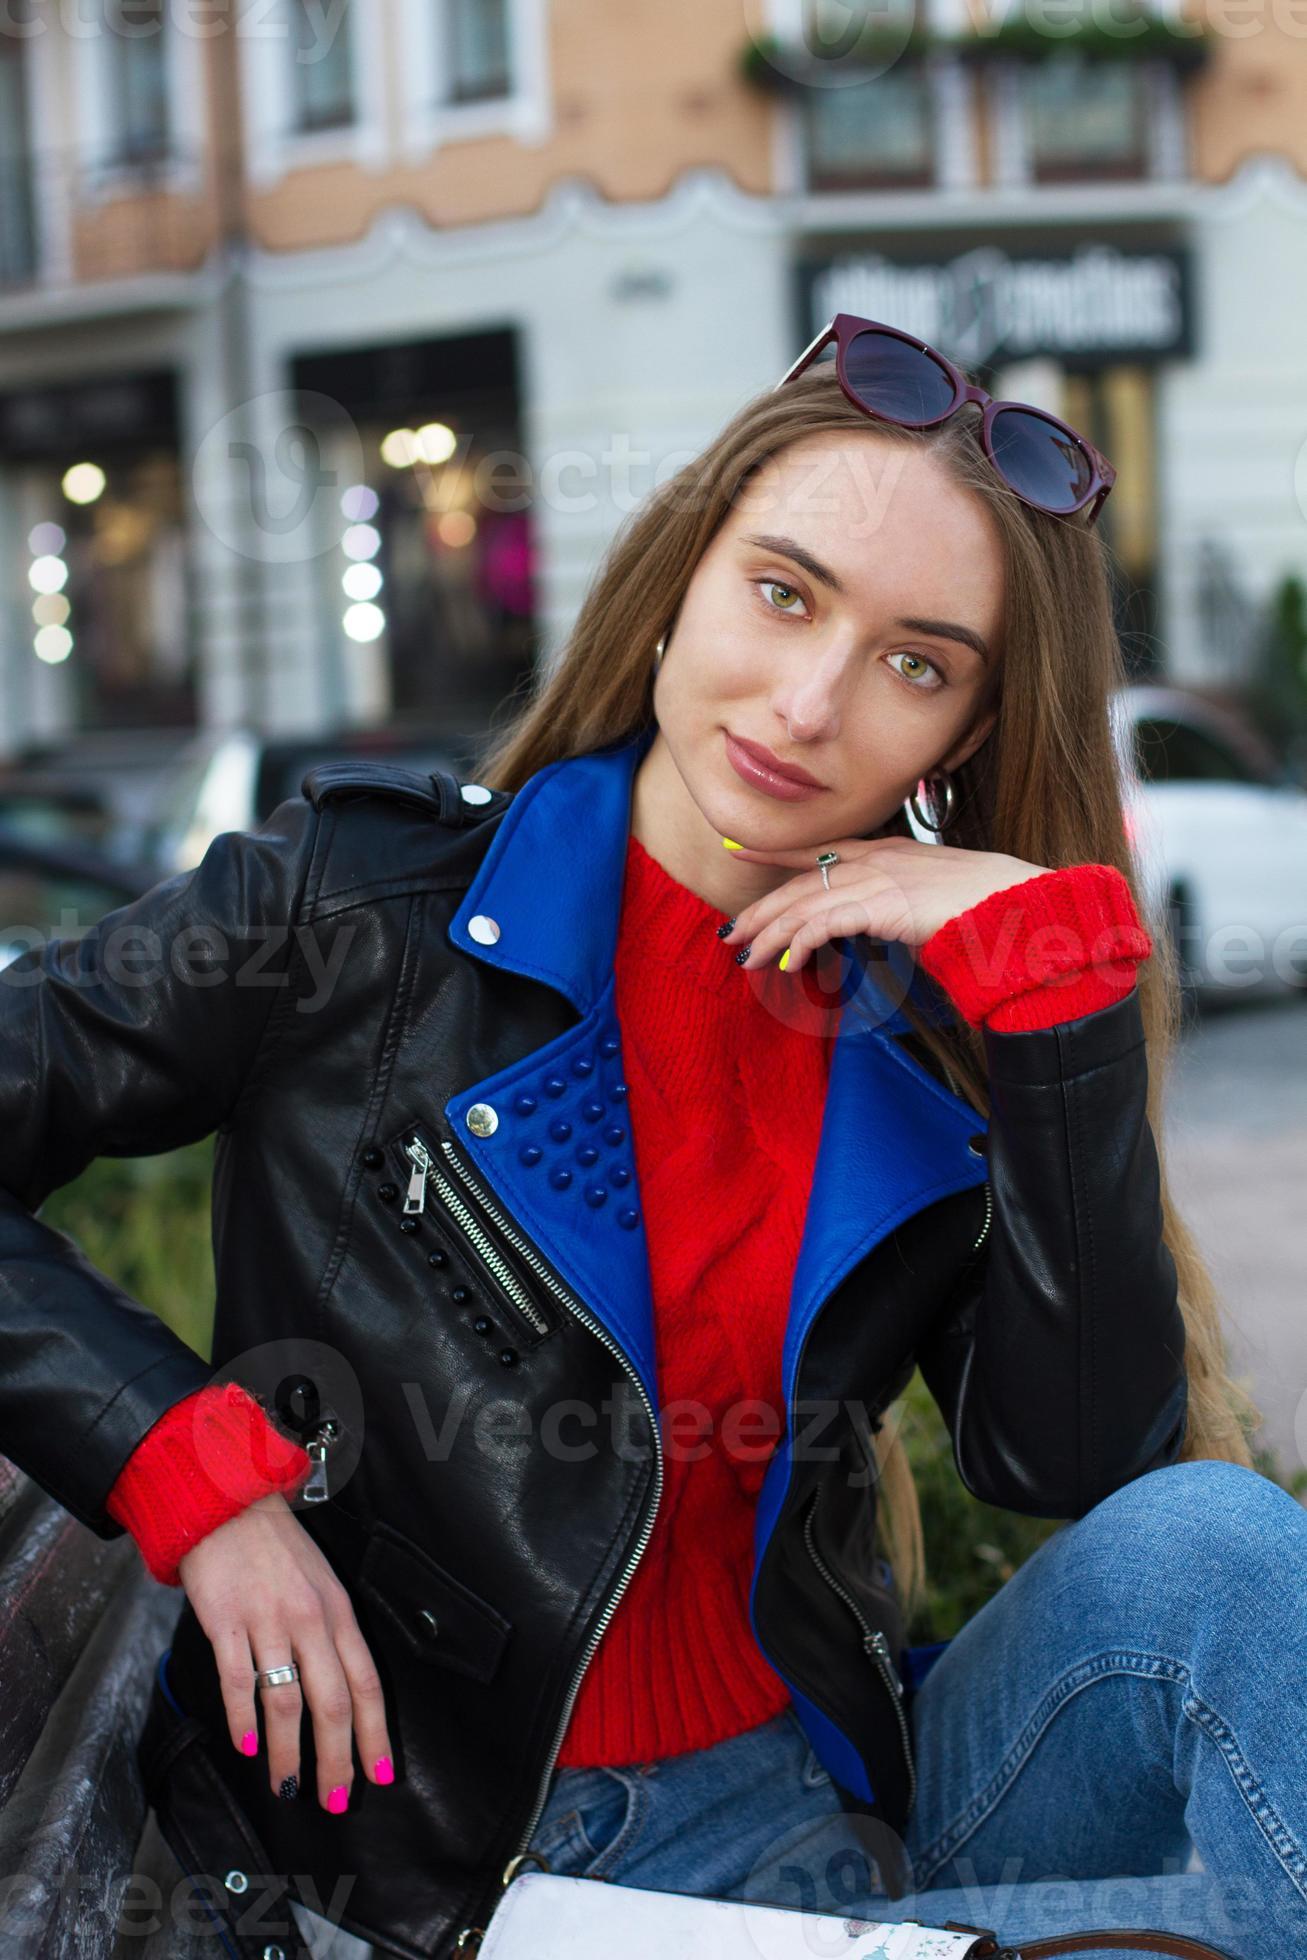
136, 76
1085, 119
17, 181
322, 67
872, 135
477, 51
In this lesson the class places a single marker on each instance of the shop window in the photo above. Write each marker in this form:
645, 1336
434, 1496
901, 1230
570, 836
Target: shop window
110, 605
458, 577
1115, 405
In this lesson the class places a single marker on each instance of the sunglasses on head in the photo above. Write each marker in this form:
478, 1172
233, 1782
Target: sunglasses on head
894, 378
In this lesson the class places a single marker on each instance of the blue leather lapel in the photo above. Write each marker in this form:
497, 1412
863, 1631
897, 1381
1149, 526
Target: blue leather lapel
551, 1135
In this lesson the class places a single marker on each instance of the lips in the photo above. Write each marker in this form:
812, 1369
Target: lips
789, 770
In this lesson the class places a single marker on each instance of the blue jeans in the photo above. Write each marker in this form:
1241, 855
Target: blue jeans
1133, 1694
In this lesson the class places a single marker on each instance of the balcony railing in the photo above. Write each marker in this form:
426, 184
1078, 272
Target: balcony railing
67, 220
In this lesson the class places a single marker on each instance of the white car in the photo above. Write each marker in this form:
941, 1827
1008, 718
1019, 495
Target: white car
1220, 839
232, 779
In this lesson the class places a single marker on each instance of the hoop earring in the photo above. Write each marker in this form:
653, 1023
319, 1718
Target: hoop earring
659, 650
942, 778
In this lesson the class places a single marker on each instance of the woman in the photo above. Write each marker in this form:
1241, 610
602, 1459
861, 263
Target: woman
676, 1660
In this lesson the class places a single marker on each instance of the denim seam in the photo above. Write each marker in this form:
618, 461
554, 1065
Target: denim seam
637, 1805
1283, 1843
1284, 1846
1126, 1662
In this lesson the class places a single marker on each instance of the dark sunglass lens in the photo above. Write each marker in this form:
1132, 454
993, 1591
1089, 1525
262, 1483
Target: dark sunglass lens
1039, 460
896, 379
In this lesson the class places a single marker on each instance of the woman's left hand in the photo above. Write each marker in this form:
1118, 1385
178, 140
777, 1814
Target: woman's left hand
886, 887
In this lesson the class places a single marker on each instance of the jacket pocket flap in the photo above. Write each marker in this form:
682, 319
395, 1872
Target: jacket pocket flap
439, 1618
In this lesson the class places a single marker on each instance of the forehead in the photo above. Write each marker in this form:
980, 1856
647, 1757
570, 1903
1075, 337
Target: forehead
887, 518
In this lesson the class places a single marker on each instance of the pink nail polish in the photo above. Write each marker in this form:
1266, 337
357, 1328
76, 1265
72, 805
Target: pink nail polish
385, 1769
250, 1742
338, 1799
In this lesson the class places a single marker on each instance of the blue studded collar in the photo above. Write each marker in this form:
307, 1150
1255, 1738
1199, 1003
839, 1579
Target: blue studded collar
550, 1133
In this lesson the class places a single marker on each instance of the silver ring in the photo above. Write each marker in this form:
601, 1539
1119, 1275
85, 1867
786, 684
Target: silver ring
277, 1677
826, 860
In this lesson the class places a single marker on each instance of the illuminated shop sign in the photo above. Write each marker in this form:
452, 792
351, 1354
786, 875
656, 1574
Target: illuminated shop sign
984, 306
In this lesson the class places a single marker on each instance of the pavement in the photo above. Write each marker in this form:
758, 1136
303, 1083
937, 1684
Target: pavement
1235, 1133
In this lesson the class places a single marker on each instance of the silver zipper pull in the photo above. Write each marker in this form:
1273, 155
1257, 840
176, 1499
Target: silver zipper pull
877, 1643
416, 1195
315, 1490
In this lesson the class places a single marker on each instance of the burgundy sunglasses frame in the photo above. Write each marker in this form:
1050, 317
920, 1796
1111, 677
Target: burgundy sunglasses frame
845, 327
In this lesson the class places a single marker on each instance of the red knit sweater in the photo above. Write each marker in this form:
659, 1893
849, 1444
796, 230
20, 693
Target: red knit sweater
727, 1072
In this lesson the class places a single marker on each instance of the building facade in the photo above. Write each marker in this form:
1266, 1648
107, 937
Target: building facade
336, 340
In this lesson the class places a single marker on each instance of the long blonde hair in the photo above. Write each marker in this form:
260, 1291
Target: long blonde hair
1044, 787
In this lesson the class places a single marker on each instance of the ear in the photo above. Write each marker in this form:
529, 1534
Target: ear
970, 742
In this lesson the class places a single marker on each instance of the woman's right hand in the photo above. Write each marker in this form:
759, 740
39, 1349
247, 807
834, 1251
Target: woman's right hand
265, 1595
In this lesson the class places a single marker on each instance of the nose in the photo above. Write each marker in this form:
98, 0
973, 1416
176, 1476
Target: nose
811, 705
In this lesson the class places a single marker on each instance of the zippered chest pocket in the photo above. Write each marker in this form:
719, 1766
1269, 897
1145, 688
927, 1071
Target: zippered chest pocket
433, 1197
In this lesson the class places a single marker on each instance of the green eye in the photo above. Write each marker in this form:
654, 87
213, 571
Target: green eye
923, 667
775, 585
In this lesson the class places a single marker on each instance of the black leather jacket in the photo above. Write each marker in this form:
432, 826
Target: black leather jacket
431, 1264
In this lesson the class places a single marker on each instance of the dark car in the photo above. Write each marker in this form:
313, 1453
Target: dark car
58, 890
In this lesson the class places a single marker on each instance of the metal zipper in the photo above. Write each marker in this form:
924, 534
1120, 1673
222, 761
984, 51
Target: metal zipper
318, 1442
873, 1642
469, 1935
953, 1085
989, 1213
426, 1173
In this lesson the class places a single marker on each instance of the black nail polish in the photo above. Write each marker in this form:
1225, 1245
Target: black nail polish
290, 1787
743, 955
723, 930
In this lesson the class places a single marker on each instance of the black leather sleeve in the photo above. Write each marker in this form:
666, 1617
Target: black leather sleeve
1059, 1363
135, 1038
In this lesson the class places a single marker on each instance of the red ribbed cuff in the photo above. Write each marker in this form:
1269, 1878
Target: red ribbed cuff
205, 1459
1048, 949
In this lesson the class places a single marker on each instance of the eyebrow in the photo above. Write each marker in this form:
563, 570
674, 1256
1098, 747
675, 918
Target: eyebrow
942, 629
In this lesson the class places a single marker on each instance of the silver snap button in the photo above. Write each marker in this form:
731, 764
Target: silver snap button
274, 1953
482, 1120
429, 1621
474, 793
485, 931
236, 1882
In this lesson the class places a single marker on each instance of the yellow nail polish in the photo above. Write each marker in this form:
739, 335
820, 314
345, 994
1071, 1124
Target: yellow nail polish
731, 844
784, 956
